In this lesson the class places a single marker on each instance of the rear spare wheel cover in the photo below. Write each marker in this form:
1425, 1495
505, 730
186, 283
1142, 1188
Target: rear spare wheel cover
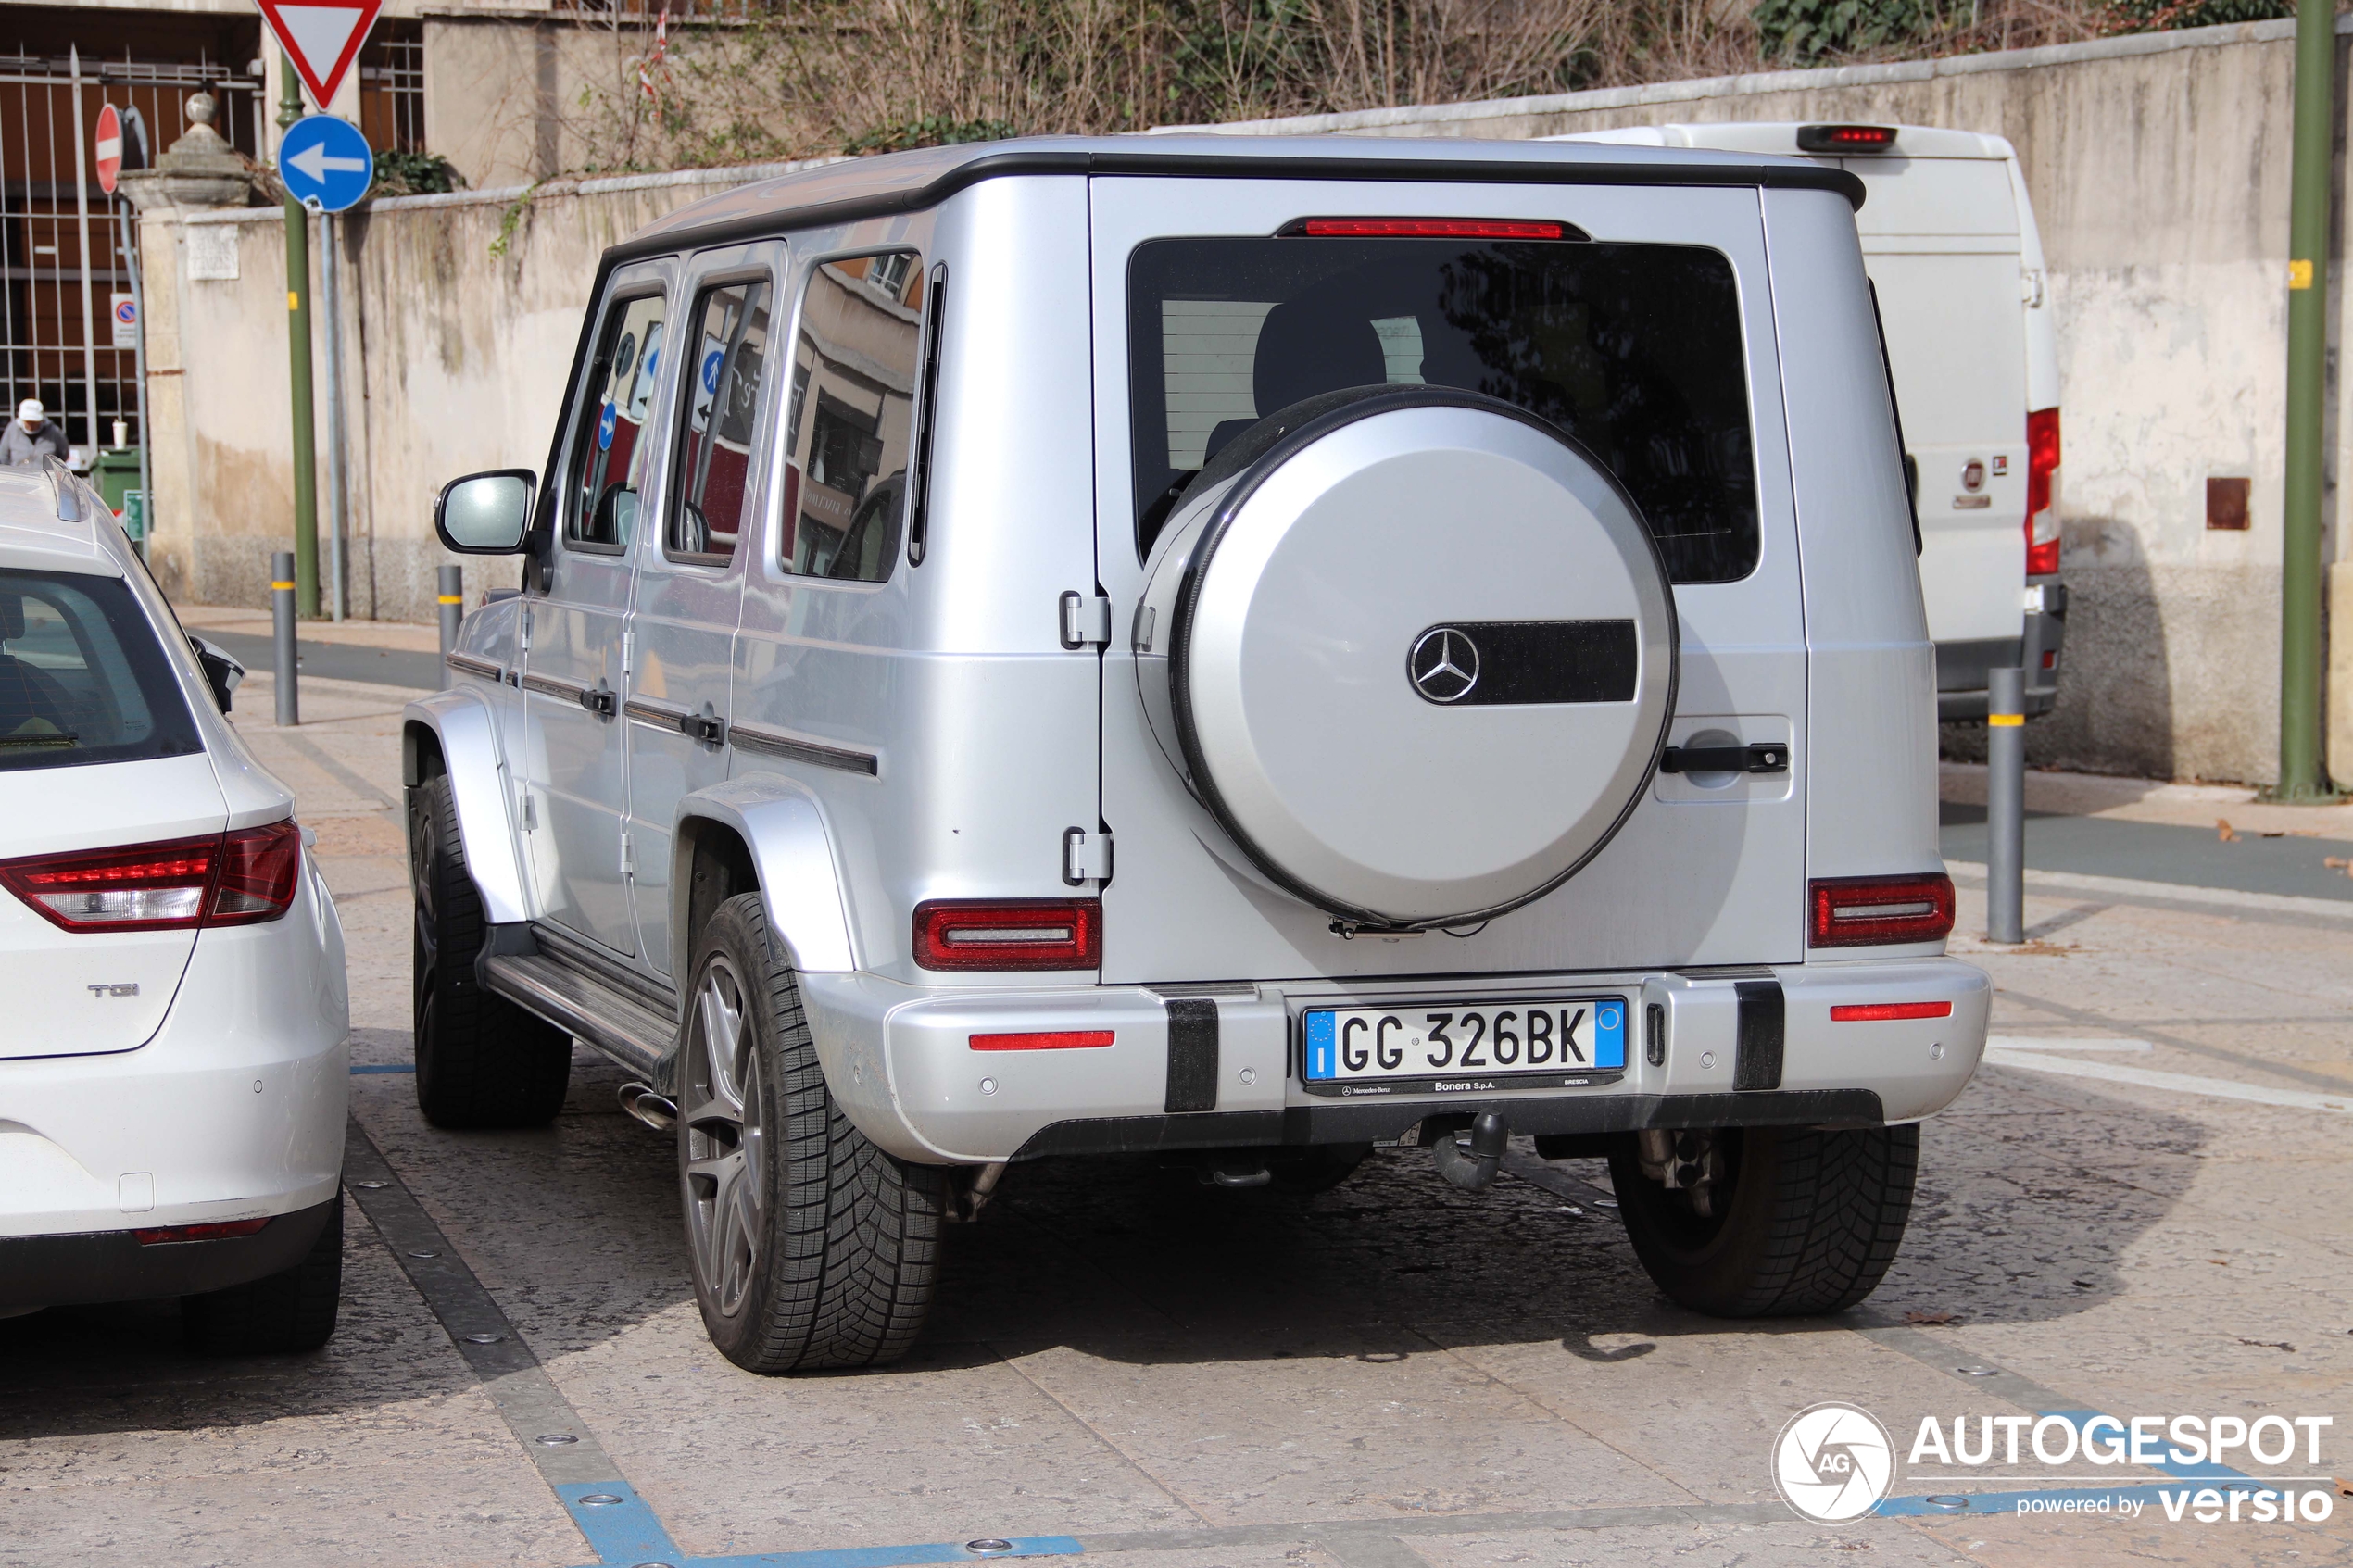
1422, 658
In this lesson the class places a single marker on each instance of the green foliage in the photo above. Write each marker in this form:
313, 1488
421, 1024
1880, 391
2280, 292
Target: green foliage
1802, 31
931, 130
2156, 15
415, 174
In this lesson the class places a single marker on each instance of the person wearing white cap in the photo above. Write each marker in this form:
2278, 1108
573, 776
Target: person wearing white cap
31, 433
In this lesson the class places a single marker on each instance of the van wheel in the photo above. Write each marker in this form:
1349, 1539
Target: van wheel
291, 1311
811, 1247
481, 1062
1798, 1221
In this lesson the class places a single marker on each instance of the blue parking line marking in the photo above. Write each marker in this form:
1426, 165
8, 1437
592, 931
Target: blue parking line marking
630, 1550
622, 1532
403, 1067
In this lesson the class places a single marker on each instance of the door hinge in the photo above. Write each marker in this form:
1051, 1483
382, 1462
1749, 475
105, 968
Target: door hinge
530, 812
1086, 623
1086, 857
526, 628
628, 653
628, 857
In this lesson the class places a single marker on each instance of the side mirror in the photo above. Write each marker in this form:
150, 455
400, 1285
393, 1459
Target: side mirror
485, 514
221, 670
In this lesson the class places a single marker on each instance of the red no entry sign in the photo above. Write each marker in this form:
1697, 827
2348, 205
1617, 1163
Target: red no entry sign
110, 148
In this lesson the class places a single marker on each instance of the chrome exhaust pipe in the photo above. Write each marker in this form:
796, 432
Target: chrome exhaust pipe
655, 1111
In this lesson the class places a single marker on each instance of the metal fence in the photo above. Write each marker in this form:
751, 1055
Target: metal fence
44, 215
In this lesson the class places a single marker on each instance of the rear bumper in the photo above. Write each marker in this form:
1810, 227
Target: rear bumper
234, 1110
900, 1060
1961, 666
75, 1271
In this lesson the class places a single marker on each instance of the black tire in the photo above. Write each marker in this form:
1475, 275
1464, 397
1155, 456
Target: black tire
810, 1246
481, 1062
1810, 1222
277, 1313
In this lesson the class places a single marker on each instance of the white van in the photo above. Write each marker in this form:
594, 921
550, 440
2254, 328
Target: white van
1951, 247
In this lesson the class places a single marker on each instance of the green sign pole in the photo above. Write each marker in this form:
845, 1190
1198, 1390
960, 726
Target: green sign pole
306, 457
2303, 774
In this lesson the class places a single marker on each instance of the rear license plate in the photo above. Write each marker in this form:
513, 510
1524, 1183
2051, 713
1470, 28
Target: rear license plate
1441, 1049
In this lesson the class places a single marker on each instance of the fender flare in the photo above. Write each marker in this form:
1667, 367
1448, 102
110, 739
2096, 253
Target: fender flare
792, 850
468, 734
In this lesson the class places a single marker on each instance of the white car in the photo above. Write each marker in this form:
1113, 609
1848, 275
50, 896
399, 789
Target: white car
1956, 260
173, 1072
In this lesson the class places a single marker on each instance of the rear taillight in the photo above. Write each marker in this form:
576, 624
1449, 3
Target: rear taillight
1854, 912
1845, 138
1010, 933
2042, 492
234, 878
1431, 229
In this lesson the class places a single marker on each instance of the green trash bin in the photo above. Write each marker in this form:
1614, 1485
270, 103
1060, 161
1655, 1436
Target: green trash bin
116, 474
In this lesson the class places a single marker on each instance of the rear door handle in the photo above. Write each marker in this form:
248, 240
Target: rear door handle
1766, 757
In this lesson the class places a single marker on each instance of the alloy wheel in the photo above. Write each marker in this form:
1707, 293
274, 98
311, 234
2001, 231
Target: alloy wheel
719, 1116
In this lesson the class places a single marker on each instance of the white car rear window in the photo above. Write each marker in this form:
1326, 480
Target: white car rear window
82, 679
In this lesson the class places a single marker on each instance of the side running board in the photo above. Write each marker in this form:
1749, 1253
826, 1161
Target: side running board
631, 1018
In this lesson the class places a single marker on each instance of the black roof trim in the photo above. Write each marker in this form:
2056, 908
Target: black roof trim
1197, 166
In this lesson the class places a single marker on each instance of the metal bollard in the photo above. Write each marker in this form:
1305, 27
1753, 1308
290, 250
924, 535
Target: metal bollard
453, 612
281, 629
2005, 806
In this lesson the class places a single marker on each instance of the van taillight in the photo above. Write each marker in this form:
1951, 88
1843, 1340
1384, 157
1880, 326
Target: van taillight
235, 878
2042, 492
1854, 912
1845, 138
1010, 933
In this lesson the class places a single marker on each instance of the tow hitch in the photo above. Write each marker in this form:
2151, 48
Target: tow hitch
1467, 1162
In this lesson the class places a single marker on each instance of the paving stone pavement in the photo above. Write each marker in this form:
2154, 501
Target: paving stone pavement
1395, 1374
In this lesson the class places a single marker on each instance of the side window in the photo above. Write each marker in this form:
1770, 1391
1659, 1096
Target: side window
723, 410
612, 408
851, 423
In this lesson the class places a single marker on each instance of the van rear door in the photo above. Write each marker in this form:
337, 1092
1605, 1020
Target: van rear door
1940, 244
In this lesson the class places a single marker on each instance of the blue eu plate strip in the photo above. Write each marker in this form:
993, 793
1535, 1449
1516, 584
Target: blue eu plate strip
1319, 1044
395, 1067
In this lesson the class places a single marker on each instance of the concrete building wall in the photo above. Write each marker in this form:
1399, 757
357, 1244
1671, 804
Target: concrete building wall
454, 359
2158, 167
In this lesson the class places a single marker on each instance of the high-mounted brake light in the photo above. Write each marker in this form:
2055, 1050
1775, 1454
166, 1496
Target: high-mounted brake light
220, 1230
1888, 1012
1855, 911
1431, 229
2042, 492
1845, 138
237, 878
1045, 1040
1005, 934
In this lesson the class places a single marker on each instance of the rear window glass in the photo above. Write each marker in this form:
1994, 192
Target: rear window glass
1634, 349
82, 676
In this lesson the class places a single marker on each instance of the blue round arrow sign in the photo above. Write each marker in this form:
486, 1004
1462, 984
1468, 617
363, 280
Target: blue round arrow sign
325, 163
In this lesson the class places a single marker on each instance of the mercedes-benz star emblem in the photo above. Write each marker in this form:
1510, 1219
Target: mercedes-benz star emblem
1443, 665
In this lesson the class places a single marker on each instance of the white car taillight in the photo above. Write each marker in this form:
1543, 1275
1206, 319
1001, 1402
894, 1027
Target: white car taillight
236, 878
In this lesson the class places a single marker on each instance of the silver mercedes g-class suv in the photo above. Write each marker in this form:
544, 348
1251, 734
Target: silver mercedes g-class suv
1238, 651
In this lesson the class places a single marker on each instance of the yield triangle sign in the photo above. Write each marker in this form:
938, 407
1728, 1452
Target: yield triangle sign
322, 37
